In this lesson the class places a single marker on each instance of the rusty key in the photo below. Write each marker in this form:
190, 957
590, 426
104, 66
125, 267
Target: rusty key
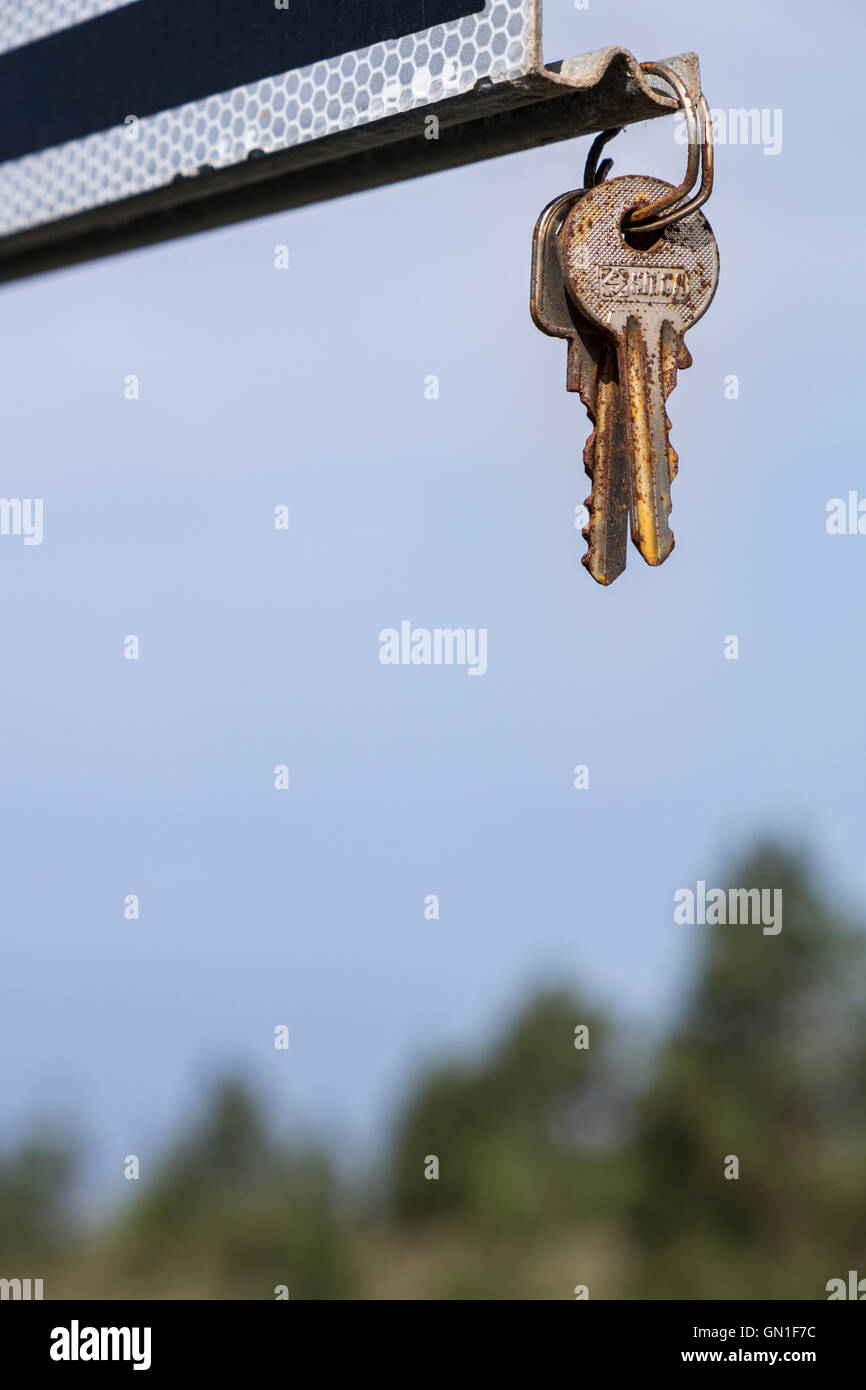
646, 297
592, 372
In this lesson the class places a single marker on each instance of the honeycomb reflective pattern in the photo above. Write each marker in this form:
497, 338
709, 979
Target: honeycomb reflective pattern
22, 21
275, 114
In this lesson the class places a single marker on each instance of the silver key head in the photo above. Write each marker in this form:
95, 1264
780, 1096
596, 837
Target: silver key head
673, 279
551, 309
551, 305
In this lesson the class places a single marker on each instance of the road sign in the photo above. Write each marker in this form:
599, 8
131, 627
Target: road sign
124, 122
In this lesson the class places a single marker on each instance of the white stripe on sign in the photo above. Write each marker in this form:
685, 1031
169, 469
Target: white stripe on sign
23, 21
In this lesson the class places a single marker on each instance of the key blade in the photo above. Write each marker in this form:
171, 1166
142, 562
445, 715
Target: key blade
642, 375
606, 462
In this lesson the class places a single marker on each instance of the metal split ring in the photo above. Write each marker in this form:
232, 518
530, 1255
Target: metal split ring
654, 217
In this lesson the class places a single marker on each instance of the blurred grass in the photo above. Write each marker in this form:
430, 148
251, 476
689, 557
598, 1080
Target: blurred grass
558, 1167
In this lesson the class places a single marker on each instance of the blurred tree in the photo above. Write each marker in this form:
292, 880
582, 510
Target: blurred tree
768, 1065
554, 1171
231, 1214
35, 1185
524, 1136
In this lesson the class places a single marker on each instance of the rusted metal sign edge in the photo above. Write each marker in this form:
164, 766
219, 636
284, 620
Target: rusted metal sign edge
547, 104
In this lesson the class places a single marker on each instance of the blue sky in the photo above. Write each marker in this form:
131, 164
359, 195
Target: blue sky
260, 647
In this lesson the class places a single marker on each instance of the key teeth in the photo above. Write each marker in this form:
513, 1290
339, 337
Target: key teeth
586, 531
602, 579
675, 363
588, 558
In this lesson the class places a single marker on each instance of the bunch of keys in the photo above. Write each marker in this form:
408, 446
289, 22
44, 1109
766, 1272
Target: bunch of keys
622, 269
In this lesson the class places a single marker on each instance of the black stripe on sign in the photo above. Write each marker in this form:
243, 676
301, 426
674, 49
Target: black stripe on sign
153, 55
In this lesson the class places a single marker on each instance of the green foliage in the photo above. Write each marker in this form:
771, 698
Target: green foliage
554, 1169
34, 1189
509, 1130
767, 1065
233, 1215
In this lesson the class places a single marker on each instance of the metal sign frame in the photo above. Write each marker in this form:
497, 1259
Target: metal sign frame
467, 88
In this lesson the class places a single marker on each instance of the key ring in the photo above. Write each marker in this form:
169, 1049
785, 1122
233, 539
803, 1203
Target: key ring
700, 152
591, 174
688, 106
707, 173
645, 218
